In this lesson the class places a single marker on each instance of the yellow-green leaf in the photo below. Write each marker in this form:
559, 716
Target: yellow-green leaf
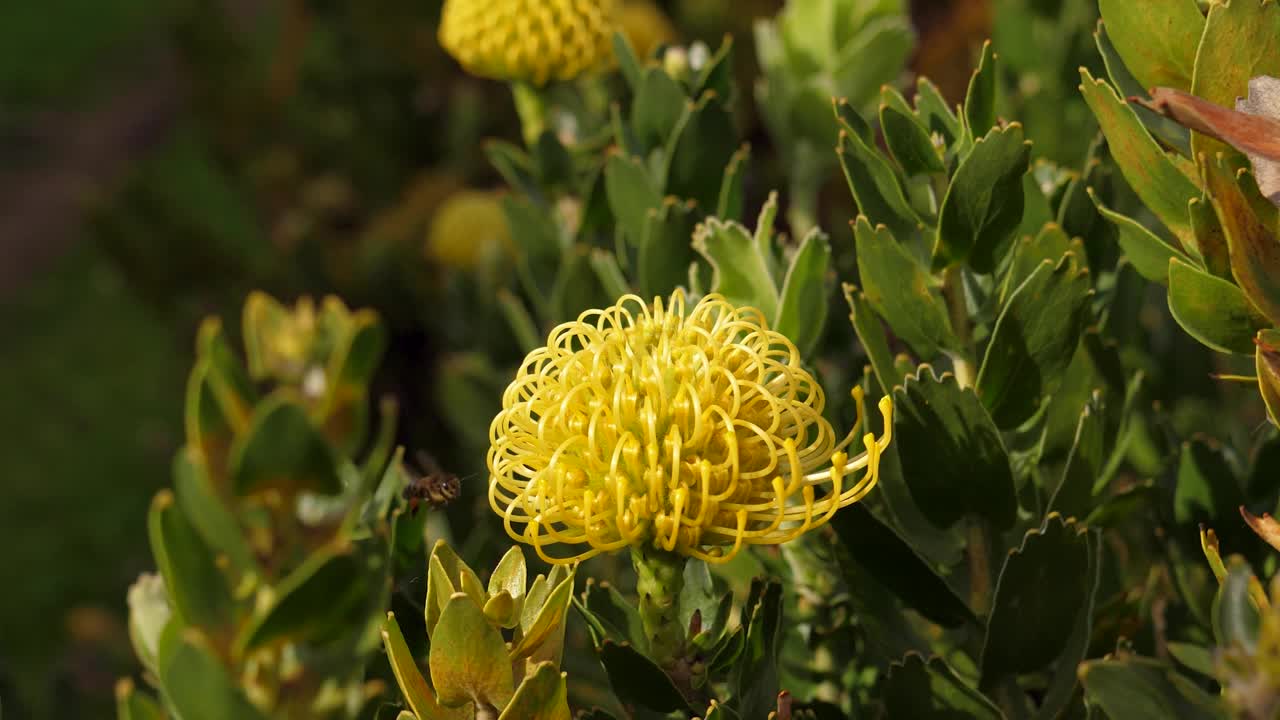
542, 696
1151, 173
413, 686
468, 657
1157, 39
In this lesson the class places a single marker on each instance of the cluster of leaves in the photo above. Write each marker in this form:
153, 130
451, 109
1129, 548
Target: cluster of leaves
273, 549
1215, 245
1032, 548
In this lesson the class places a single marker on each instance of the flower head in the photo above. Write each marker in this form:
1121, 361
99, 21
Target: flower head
697, 432
529, 40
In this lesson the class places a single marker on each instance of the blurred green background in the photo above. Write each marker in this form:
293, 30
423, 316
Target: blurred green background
159, 159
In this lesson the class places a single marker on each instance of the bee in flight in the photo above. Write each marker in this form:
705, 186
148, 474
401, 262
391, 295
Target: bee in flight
432, 486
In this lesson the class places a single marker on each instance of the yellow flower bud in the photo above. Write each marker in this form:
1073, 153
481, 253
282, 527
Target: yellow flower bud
530, 40
703, 433
468, 229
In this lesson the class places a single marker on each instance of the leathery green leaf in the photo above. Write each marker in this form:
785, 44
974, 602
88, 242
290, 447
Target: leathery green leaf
952, 455
1042, 587
1034, 340
802, 307
1212, 310
1157, 39
900, 290
932, 691
1251, 228
468, 657
1148, 253
412, 684
983, 205
1149, 171
541, 696
1241, 41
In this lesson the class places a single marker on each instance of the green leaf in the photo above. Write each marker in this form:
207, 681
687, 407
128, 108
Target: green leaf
1253, 242
325, 598
538, 243
908, 142
802, 307
1267, 365
740, 270
1064, 680
980, 98
729, 204
612, 280
468, 657
933, 110
1149, 254
547, 625
620, 618
700, 152
657, 107
1034, 340
1143, 689
1051, 242
207, 512
1206, 489
1073, 497
901, 292
1149, 170
984, 203
1241, 41
445, 573
952, 455
1163, 128
755, 679
876, 187
1042, 587
552, 161
931, 691
577, 287
871, 58
198, 685
1193, 657
133, 705
345, 408
283, 451
892, 561
1212, 310
666, 250
198, 591
541, 696
871, 334
631, 193
1210, 248
510, 574
1235, 618
637, 680
628, 64
1157, 40
408, 676
514, 165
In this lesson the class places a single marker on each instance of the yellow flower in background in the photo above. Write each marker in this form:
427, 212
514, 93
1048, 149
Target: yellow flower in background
645, 26
530, 40
696, 432
468, 229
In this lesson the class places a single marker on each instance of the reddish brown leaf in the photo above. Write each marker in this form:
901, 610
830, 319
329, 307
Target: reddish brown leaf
1251, 134
1266, 527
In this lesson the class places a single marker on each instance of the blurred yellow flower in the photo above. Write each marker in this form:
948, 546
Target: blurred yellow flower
530, 40
645, 26
469, 229
696, 432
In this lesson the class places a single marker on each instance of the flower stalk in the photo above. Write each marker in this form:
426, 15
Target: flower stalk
659, 580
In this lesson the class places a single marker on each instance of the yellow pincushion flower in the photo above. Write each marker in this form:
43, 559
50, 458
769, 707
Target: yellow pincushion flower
530, 40
696, 433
